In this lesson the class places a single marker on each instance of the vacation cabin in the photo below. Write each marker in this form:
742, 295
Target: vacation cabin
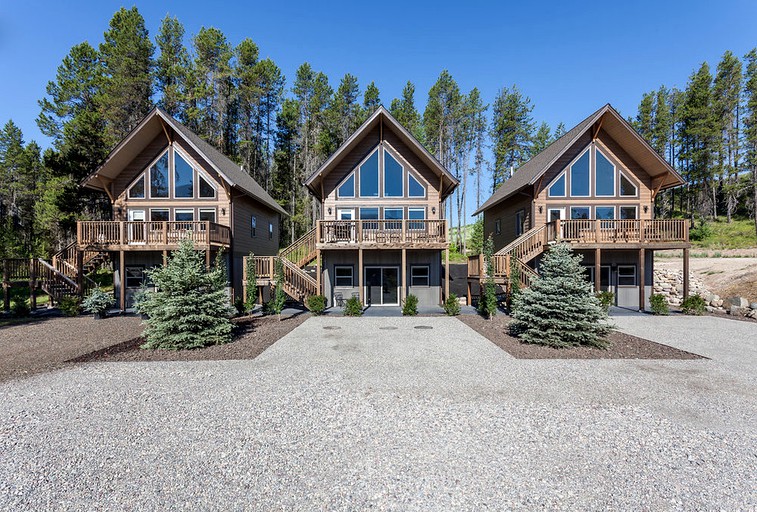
166, 184
382, 233
593, 188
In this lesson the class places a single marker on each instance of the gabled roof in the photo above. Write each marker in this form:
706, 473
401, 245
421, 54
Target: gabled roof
382, 115
612, 123
152, 125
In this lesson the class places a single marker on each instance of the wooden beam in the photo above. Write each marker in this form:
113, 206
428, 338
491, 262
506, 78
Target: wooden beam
657, 187
165, 130
642, 285
403, 288
597, 269
122, 272
360, 274
318, 271
446, 273
598, 127
106, 186
685, 273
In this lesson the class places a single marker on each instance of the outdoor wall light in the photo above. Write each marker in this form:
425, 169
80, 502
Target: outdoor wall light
329, 210
433, 210
541, 208
646, 208
223, 211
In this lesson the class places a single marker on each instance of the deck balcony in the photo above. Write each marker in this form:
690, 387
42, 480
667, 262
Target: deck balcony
618, 234
150, 236
382, 234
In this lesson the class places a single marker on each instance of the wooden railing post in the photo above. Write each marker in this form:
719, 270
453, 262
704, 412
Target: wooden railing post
597, 230
6, 287
165, 232
122, 232
78, 233
32, 284
359, 231
403, 236
558, 233
318, 231
271, 268
641, 230
207, 232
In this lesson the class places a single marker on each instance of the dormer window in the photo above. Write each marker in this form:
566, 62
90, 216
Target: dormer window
185, 182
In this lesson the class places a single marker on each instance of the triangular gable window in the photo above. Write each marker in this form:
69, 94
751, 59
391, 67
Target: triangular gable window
369, 176
627, 188
347, 189
137, 191
557, 189
415, 188
206, 189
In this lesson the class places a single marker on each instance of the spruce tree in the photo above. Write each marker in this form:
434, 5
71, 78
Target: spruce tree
511, 132
403, 109
371, 100
190, 308
560, 308
487, 304
541, 140
172, 66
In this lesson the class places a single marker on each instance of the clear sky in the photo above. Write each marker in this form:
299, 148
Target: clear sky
568, 57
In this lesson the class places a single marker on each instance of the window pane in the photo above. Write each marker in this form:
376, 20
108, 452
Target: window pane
626, 276
626, 187
558, 187
392, 176
605, 212
605, 176
579, 176
209, 215
253, 226
369, 176
416, 214
627, 212
343, 276
134, 277
419, 276
579, 212
158, 215
270, 230
369, 213
393, 213
182, 177
206, 190
415, 189
184, 215
348, 187
159, 177
137, 191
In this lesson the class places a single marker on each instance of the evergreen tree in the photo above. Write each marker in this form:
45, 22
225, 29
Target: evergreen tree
560, 308
511, 132
644, 120
542, 139
190, 308
371, 101
559, 131
249, 136
726, 103
663, 119
172, 66
477, 112
441, 117
487, 305
750, 125
127, 55
343, 114
403, 109
285, 180
271, 83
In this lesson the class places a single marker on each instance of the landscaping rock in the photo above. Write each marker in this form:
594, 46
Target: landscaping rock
739, 302
736, 311
753, 305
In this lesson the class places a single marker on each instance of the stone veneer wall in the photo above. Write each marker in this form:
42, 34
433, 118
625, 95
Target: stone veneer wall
669, 283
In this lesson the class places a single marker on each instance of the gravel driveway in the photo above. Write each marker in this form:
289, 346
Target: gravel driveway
351, 414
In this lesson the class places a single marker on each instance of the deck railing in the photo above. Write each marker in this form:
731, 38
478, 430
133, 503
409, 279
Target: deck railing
618, 231
383, 231
105, 233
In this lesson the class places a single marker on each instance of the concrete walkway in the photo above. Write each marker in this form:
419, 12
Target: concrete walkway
385, 413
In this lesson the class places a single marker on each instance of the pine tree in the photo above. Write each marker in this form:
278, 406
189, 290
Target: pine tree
371, 101
726, 103
343, 114
750, 125
559, 131
511, 132
542, 139
644, 120
249, 137
560, 308
171, 66
127, 55
271, 82
403, 109
190, 308
441, 117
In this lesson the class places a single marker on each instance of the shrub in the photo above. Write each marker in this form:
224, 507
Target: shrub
240, 306
514, 284
701, 231
252, 283
659, 304
70, 305
140, 297
693, 305
276, 305
353, 307
487, 304
98, 302
410, 306
560, 308
190, 308
20, 308
452, 305
607, 299
316, 304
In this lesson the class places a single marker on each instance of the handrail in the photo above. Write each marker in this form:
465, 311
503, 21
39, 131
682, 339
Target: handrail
619, 231
383, 231
303, 249
104, 233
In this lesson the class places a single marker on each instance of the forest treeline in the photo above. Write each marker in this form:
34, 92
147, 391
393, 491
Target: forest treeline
280, 130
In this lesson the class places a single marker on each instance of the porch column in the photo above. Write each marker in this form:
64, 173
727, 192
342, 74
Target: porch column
360, 274
165, 257
685, 273
403, 289
32, 285
80, 271
597, 269
446, 272
318, 267
122, 271
6, 287
642, 284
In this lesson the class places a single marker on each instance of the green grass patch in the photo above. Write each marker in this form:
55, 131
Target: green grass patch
720, 234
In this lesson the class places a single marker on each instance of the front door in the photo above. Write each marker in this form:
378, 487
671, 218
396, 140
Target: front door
136, 231
554, 214
382, 286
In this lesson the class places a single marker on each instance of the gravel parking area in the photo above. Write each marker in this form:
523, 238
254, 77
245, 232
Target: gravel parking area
358, 413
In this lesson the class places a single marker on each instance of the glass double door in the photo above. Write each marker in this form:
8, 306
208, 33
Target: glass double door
382, 286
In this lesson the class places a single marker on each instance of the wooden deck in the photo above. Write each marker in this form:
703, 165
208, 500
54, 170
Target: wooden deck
382, 234
150, 236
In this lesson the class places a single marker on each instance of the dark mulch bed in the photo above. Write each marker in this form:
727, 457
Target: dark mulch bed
253, 335
622, 346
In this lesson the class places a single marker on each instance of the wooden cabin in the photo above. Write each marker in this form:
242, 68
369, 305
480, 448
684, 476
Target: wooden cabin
594, 188
382, 233
166, 184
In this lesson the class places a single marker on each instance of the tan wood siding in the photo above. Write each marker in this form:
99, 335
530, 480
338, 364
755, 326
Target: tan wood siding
506, 211
243, 242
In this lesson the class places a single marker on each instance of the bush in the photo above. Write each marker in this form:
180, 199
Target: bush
410, 306
20, 308
276, 305
252, 282
70, 305
693, 305
560, 308
607, 299
701, 231
659, 304
190, 308
316, 304
452, 305
487, 304
240, 306
353, 307
98, 302
140, 297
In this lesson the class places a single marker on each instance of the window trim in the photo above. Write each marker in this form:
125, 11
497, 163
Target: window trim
206, 210
563, 174
635, 211
615, 171
498, 226
421, 223
192, 165
570, 171
635, 278
160, 209
206, 178
253, 226
339, 185
424, 187
570, 211
134, 183
427, 276
383, 173
632, 182
614, 211
184, 210
148, 170
378, 174
352, 276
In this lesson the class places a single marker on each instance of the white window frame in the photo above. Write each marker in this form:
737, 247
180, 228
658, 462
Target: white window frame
200, 211
148, 187
569, 169
337, 277
133, 183
382, 171
427, 277
420, 182
635, 279
615, 170
200, 174
554, 181
378, 174
614, 211
184, 210
633, 182
340, 211
570, 211
172, 171
422, 221
161, 209
635, 209
354, 184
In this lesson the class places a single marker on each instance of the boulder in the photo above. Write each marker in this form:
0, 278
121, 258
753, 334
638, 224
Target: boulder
739, 302
736, 311
753, 305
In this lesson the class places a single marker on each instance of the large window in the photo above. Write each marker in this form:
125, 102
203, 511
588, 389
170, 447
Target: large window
580, 212
419, 275
392, 176
369, 176
207, 214
579, 176
414, 187
343, 276
183, 182
159, 177
416, 214
159, 214
604, 212
628, 212
604, 181
393, 214
137, 191
184, 215
627, 188
557, 189
347, 189
206, 189
369, 214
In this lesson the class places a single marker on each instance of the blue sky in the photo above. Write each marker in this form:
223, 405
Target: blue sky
568, 57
